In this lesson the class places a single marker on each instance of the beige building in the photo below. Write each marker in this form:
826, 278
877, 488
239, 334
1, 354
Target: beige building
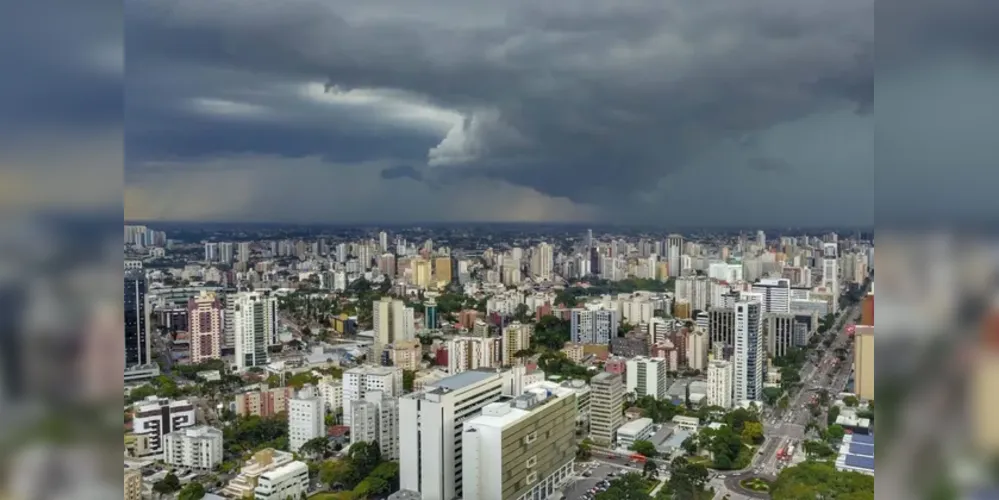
407, 354
265, 402
516, 337
574, 352
244, 484
442, 270
606, 397
133, 485
863, 362
422, 274
521, 448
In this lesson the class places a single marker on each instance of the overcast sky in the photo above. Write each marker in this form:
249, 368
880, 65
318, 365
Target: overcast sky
770, 112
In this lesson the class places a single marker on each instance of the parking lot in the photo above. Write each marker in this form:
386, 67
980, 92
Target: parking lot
580, 488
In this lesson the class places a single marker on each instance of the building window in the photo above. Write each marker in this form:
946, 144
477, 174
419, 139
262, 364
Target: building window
531, 462
532, 478
530, 438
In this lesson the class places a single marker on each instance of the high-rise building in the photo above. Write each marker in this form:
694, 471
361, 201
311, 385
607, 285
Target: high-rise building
470, 353
697, 349
138, 350
254, 327
392, 322
674, 248
830, 271
720, 383
226, 252
211, 252
594, 324
205, 321
646, 377
376, 419
306, 414
155, 417
606, 397
749, 358
198, 448
775, 294
721, 326
863, 362
530, 439
516, 337
442, 270
542, 261
366, 378
430, 314
431, 423
779, 331
383, 241
244, 251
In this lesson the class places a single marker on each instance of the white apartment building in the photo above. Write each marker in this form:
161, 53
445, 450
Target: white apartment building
430, 428
594, 324
376, 419
720, 383
750, 356
637, 310
254, 320
646, 377
197, 448
530, 439
637, 430
830, 271
306, 417
331, 390
362, 379
780, 330
723, 271
775, 294
287, 481
470, 353
697, 349
155, 418
392, 322
261, 462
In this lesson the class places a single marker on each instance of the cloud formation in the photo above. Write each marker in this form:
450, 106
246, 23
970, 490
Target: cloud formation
638, 108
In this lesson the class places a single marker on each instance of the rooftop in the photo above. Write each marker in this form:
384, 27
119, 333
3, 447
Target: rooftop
635, 426
462, 380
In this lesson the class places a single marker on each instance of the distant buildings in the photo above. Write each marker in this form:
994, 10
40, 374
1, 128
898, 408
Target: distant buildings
306, 414
376, 419
198, 448
594, 324
720, 383
363, 379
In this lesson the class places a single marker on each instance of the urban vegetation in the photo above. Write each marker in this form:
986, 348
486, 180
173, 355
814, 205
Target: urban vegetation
821, 480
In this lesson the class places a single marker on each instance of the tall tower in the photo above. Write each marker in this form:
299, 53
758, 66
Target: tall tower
830, 271
674, 248
254, 327
749, 357
138, 350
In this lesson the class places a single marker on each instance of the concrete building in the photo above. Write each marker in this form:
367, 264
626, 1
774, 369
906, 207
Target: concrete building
646, 377
362, 379
863, 362
830, 272
376, 419
331, 390
133, 485
637, 430
406, 354
265, 402
263, 461
775, 295
254, 327
749, 358
606, 397
205, 321
697, 349
138, 349
471, 353
516, 337
720, 383
430, 428
198, 448
155, 418
287, 481
593, 324
523, 448
393, 322
721, 326
306, 417
779, 331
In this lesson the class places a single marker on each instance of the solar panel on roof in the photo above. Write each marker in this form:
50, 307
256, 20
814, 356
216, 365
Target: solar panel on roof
862, 449
859, 462
862, 439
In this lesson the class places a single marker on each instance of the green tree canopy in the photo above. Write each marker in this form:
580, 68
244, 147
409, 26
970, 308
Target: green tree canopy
191, 491
821, 480
645, 448
631, 486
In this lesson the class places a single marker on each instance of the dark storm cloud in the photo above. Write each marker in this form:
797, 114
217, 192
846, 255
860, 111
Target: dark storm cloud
57, 60
402, 172
577, 99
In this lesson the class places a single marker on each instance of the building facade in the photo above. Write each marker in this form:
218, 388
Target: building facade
606, 397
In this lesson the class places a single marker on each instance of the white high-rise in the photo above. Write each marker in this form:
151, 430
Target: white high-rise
193, 448
226, 252
674, 248
646, 377
306, 417
254, 323
392, 322
376, 419
720, 383
430, 429
775, 294
830, 271
362, 379
542, 261
383, 241
749, 357
469, 353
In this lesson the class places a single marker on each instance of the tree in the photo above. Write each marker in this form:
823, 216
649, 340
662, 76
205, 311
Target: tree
650, 469
645, 448
687, 480
752, 433
167, 485
630, 486
689, 445
584, 450
522, 313
771, 395
192, 491
850, 401
408, 377
833, 415
783, 402
317, 448
821, 480
835, 432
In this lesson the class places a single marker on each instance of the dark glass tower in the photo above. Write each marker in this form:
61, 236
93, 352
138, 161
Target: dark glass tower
136, 330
